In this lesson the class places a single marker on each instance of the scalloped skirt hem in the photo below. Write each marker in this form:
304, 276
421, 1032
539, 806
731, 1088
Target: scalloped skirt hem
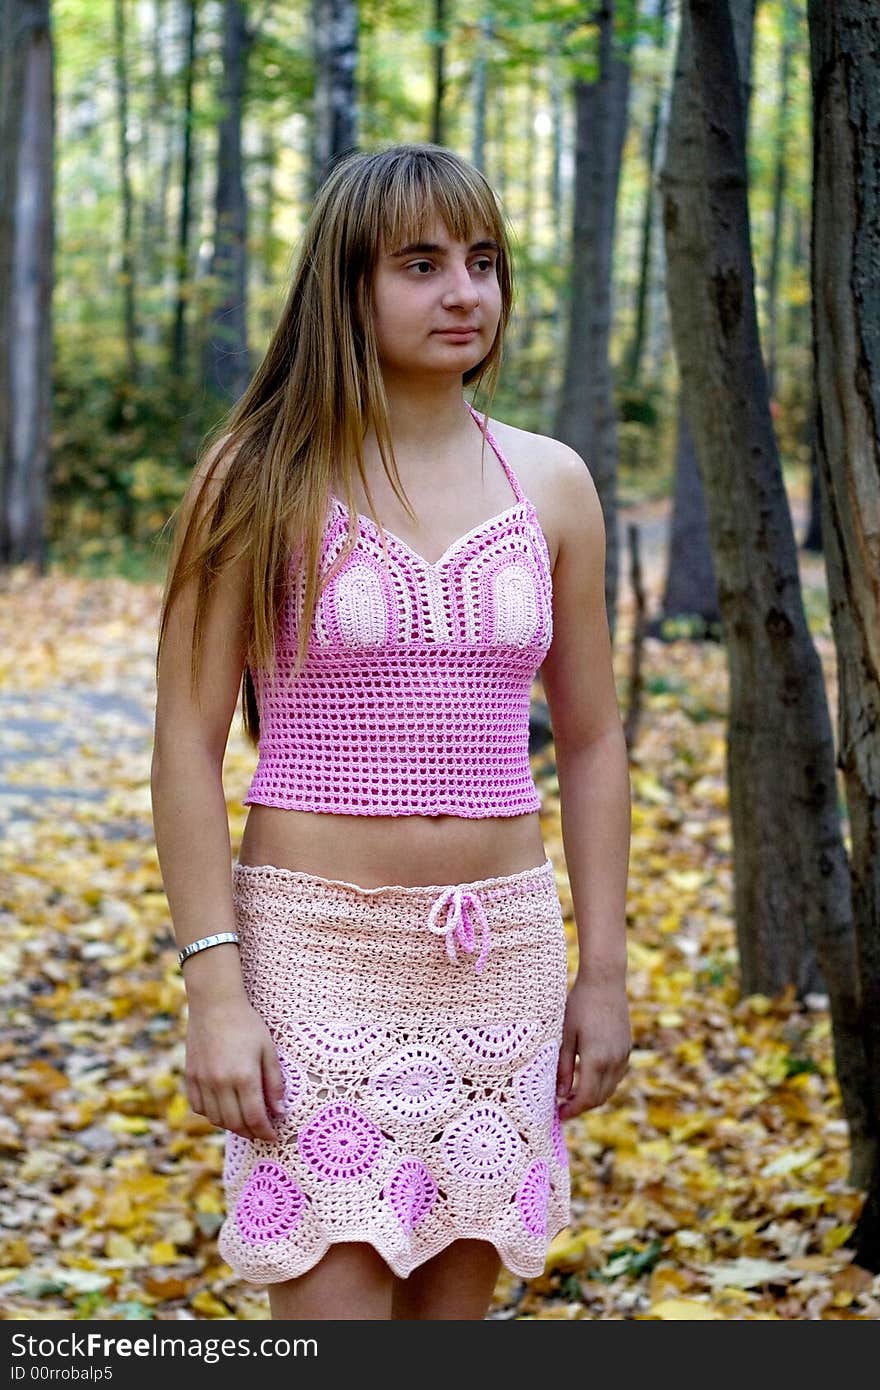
399, 1263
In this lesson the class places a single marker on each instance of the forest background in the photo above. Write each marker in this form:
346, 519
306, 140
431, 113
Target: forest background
158, 168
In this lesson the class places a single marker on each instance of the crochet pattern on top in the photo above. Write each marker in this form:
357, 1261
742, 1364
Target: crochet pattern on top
420, 1071
415, 696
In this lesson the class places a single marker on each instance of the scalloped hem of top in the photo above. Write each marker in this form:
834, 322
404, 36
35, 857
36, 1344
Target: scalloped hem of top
400, 1267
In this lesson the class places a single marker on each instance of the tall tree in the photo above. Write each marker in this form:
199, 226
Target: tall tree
438, 42
780, 174
845, 66
335, 123
27, 126
586, 418
633, 357
689, 590
182, 269
478, 148
791, 878
227, 367
126, 196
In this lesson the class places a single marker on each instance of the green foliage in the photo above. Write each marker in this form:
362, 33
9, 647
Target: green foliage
629, 1260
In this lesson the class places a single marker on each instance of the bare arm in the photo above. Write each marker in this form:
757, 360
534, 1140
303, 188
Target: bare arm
593, 771
232, 1072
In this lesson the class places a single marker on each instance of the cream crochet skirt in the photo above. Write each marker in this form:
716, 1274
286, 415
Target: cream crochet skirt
418, 1029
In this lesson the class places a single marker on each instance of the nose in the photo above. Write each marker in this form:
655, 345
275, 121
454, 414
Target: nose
461, 288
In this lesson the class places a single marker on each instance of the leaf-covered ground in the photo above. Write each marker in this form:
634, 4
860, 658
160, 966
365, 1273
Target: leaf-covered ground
712, 1185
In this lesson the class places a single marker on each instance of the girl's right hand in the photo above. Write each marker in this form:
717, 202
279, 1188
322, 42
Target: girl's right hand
233, 1077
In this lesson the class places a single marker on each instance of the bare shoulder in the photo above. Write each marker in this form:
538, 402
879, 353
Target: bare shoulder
557, 480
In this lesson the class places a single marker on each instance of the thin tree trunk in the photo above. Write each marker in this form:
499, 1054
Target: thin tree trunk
27, 124
779, 182
182, 269
845, 64
438, 133
586, 418
791, 879
126, 197
558, 117
227, 367
633, 358
690, 590
478, 152
335, 26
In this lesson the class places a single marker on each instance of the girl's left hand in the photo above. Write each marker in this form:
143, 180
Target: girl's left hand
596, 1031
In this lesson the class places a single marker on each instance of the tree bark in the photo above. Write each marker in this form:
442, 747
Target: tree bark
178, 341
478, 149
791, 878
27, 123
586, 418
335, 24
690, 590
779, 182
845, 69
633, 357
227, 368
127, 261
438, 133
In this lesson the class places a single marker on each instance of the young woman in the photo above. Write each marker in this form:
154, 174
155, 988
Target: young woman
380, 1011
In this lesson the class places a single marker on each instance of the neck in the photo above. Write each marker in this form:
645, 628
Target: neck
425, 411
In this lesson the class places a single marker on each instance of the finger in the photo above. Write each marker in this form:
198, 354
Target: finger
234, 1117
565, 1068
195, 1097
253, 1109
587, 1094
274, 1084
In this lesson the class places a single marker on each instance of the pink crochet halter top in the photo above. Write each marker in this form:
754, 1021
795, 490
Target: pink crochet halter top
414, 699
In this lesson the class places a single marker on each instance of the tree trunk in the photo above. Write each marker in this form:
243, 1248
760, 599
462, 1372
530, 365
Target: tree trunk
227, 368
27, 123
178, 343
438, 134
633, 356
779, 181
690, 590
791, 879
586, 418
127, 263
845, 65
478, 150
335, 24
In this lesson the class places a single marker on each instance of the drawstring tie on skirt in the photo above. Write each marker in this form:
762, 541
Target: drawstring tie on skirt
458, 925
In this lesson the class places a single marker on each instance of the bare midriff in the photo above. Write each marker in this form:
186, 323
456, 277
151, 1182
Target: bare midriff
375, 851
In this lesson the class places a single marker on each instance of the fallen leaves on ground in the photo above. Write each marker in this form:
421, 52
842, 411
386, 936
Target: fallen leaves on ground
712, 1185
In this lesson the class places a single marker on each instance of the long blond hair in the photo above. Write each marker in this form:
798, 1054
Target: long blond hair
316, 393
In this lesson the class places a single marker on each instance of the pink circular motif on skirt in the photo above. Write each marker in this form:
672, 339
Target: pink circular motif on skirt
412, 1192
341, 1142
535, 1085
416, 1082
481, 1145
557, 1139
532, 1198
271, 1204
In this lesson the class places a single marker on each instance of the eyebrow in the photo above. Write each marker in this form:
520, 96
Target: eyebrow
434, 248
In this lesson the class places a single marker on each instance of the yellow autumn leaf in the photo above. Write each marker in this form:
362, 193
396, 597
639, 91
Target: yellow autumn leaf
205, 1303
684, 1310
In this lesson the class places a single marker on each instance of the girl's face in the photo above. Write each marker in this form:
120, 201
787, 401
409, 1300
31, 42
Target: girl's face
436, 303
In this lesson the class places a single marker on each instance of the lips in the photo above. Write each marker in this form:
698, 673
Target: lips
457, 332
